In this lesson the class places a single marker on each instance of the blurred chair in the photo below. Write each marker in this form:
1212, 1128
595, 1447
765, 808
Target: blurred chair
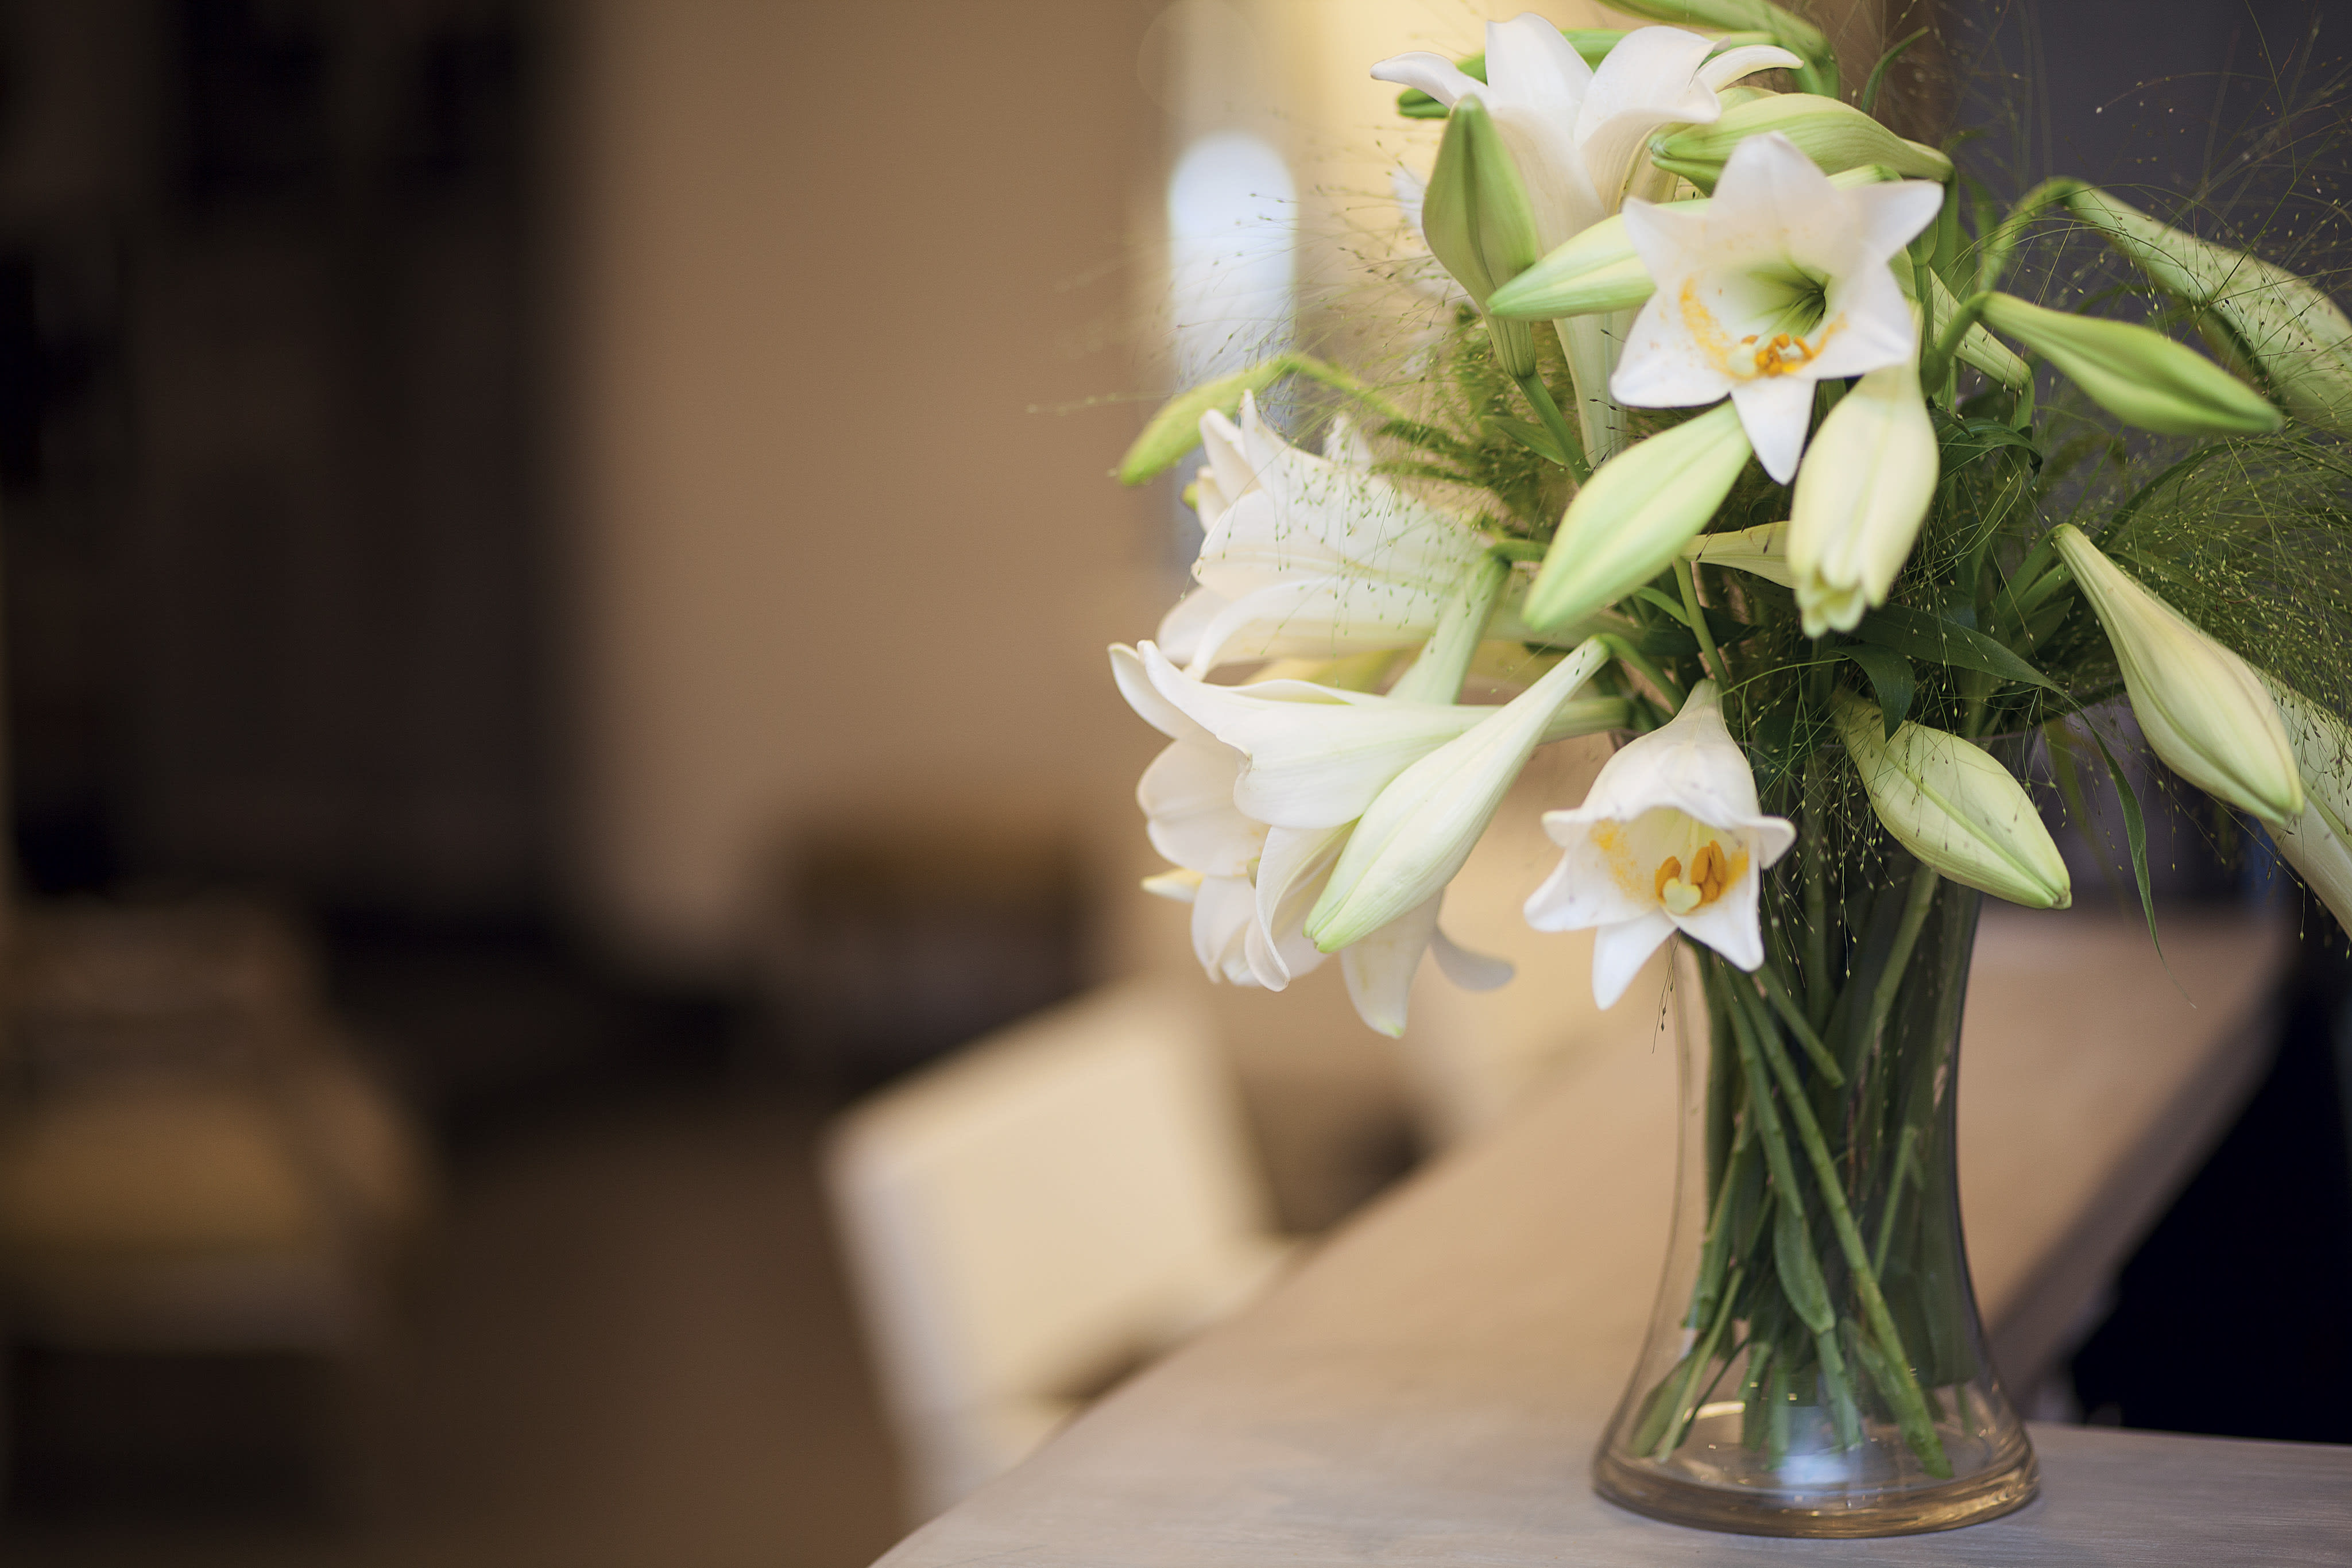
192, 1159
1038, 1215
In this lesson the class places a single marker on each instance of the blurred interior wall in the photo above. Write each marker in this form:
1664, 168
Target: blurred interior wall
846, 555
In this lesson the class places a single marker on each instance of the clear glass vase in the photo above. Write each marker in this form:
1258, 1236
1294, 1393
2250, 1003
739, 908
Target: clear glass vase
1815, 1365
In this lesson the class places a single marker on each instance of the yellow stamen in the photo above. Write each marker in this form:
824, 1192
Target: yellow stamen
1669, 870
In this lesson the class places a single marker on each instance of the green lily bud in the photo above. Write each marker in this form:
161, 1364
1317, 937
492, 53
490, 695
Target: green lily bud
1480, 225
2319, 844
1631, 521
1836, 136
1864, 489
2263, 318
2203, 709
1597, 270
1418, 830
2135, 373
1954, 806
1175, 430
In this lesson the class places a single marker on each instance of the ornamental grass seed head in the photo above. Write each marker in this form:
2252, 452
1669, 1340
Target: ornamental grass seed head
1954, 806
2261, 317
2203, 709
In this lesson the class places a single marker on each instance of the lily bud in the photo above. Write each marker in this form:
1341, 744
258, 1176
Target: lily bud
1480, 225
1630, 522
1954, 806
2262, 317
1414, 837
2319, 844
1863, 491
1836, 136
2203, 709
2137, 375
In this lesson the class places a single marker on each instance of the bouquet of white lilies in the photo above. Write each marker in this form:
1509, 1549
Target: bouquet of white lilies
1831, 662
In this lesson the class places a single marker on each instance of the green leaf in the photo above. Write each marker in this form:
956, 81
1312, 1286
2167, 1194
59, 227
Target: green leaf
1918, 635
1891, 679
1534, 437
1799, 1269
2135, 835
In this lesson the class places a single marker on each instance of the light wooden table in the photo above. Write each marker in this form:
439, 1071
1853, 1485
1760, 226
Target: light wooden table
1429, 1387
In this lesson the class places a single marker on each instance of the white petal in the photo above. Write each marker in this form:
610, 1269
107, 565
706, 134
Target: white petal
1892, 217
1181, 628
1221, 439
1435, 75
1290, 876
1187, 796
1222, 912
1380, 968
1732, 64
1620, 951
1662, 366
1729, 924
1471, 971
1648, 80
1764, 181
1877, 327
1344, 444
1530, 65
1126, 668
1595, 884
1774, 410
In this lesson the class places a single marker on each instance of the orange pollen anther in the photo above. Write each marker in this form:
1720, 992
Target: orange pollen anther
1782, 354
1669, 870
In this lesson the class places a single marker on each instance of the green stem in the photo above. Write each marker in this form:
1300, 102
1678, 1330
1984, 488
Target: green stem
1685, 1404
1710, 657
1634, 659
1904, 1150
1900, 1384
1818, 997
1915, 906
1994, 260
1786, 1006
1572, 445
1436, 675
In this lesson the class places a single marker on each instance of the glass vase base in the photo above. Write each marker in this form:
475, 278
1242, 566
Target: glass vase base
1652, 1488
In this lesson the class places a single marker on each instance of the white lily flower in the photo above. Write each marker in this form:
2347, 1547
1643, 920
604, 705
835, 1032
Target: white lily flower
1670, 837
1575, 131
1576, 135
1310, 557
1256, 796
1780, 283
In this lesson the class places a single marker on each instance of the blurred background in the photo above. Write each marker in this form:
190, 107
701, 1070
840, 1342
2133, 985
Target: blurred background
556, 560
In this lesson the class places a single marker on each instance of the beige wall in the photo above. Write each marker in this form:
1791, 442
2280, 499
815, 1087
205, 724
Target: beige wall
834, 564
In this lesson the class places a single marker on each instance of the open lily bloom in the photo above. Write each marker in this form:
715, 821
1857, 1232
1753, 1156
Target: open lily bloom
1309, 556
1576, 134
1255, 796
1781, 282
1670, 837
1574, 131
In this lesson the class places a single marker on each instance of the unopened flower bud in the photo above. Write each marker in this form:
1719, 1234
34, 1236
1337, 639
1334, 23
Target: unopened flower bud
2202, 708
2135, 373
1633, 518
1836, 136
1954, 806
1865, 486
1480, 225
